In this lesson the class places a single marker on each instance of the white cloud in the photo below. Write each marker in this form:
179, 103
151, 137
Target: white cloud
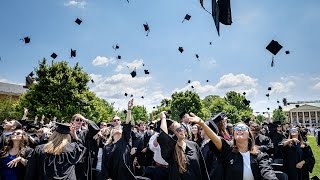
131, 65
316, 86
74, 3
101, 60
229, 82
285, 85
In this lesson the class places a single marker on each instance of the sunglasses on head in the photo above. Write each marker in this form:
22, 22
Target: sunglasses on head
180, 129
240, 128
115, 120
17, 133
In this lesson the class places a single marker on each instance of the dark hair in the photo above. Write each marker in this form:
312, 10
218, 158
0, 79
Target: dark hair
251, 144
22, 146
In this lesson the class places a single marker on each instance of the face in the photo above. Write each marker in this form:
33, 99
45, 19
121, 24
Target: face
142, 127
103, 125
8, 125
77, 122
117, 130
241, 132
279, 128
116, 121
17, 135
185, 118
294, 132
179, 131
195, 129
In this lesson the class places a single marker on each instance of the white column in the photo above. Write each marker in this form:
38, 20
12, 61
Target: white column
291, 120
316, 116
303, 118
310, 121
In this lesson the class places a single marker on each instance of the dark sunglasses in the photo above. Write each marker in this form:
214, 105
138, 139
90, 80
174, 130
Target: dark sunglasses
179, 129
293, 130
78, 119
115, 120
240, 128
17, 133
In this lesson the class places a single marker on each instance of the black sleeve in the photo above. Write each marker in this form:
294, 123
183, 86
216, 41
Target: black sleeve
167, 145
32, 165
308, 158
268, 147
225, 149
266, 170
104, 166
126, 132
76, 155
93, 129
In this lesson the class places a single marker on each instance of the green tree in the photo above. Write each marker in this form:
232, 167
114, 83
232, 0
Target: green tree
62, 91
139, 113
259, 119
185, 102
7, 109
218, 104
278, 115
237, 100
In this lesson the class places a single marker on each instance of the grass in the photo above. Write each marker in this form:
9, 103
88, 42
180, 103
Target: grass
316, 152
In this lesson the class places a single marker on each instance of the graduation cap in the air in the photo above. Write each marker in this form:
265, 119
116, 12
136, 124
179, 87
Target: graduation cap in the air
31, 74
26, 40
207, 80
142, 97
92, 80
268, 108
269, 88
297, 105
119, 57
268, 95
131, 95
187, 17
125, 94
189, 81
219, 117
146, 71
133, 73
284, 100
116, 47
197, 56
192, 87
246, 102
287, 52
78, 21
244, 93
54, 55
278, 101
29, 80
146, 28
221, 13
210, 43
180, 49
62, 128
73, 53
274, 47
280, 107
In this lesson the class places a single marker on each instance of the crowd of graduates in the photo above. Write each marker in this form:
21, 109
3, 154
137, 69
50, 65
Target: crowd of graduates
163, 149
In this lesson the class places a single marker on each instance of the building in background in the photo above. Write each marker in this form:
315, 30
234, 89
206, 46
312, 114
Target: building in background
307, 114
11, 90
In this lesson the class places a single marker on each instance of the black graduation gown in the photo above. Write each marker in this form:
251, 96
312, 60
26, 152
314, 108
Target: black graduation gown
233, 164
212, 163
265, 144
196, 167
84, 167
43, 166
293, 155
277, 138
116, 158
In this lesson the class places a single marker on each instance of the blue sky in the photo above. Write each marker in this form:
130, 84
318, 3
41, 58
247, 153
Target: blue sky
237, 60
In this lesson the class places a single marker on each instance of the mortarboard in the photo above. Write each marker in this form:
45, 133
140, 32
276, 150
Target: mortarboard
26, 40
297, 105
78, 21
197, 56
92, 80
180, 49
278, 101
192, 87
119, 57
158, 124
62, 128
219, 117
268, 108
131, 95
189, 81
133, 73
280, 107
116, 47
210, 43
31, 74
268, 95
142, 97
73, 53
274, 47
246, 102
287, 52
269, 88
146, 28
207, 80
54, 55
146, 71
284, 100
125, 94
187, 17
244, 93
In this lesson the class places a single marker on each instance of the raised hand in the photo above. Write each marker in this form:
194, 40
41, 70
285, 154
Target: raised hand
130, 104
162, 115
194, 119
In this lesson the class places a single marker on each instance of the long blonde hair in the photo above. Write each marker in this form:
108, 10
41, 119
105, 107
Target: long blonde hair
56, 143
180, 158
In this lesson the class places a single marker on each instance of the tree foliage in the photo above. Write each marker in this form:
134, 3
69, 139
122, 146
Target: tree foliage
7, 109
278, 115
139, 113
259, 119
62, 91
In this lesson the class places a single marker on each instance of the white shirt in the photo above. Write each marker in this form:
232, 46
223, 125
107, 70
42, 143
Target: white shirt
157, 150
99, 162
247, 172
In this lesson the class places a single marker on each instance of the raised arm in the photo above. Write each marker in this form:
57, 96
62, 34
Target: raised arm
213, 136
163, 124
128, 118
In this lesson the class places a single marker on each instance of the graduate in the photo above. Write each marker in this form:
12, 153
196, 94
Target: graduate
241, 160
298, 159
57, 158
116, 154
184, 157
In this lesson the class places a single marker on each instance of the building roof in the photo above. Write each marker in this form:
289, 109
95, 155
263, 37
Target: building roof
293, 106
11, 89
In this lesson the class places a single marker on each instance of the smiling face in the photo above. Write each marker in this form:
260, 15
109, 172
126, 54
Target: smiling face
241, 132
117, 130
179, 131
195, 129
8, 125
17, 135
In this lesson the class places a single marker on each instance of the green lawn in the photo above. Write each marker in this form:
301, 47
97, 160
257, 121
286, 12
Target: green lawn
316, 153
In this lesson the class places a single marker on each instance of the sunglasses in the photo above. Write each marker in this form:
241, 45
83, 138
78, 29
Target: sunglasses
115, 120
294, 130
78, 119
179, 129
240, 128
17, 133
